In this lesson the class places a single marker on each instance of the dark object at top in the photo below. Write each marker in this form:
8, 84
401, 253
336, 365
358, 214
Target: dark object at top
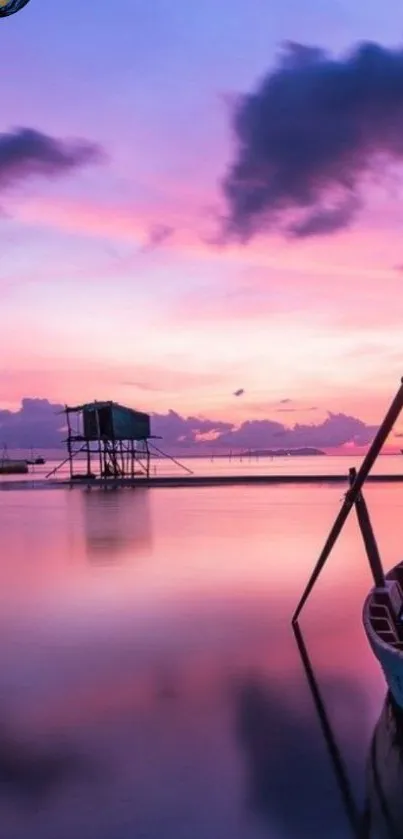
10, 7
110, 421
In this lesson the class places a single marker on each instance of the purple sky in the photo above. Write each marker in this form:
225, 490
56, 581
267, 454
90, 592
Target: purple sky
111, 284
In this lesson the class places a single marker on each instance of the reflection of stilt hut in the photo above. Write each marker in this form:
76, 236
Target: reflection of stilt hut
116, 530
111, 438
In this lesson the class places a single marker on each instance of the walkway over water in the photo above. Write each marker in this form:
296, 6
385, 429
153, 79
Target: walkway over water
188, 481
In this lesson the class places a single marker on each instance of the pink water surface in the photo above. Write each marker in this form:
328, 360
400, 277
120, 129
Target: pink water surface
150, 683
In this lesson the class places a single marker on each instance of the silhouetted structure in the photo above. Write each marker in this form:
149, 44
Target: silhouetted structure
114, 440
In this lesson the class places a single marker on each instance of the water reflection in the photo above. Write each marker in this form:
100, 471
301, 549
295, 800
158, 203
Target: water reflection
287, 787
117, 524
31, 773
385, 774
381, 815
165, 698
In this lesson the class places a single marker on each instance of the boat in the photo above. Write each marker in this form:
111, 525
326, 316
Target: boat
383, 607
35, 460
382, 617
10, 466
13, 467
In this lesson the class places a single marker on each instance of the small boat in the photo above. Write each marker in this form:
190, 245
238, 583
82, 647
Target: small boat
383, 624
35, 460
383, 608
10, 466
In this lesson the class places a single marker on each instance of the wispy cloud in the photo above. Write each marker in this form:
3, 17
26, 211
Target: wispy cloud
157, 235
25, 153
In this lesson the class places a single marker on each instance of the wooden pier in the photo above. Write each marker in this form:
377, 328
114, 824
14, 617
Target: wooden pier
188, 481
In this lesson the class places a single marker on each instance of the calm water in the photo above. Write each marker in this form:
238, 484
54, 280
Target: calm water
150, 684
317, 465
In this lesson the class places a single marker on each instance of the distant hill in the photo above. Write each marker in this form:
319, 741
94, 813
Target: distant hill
303, 452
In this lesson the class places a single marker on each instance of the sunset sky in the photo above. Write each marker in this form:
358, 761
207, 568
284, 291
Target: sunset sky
116, 277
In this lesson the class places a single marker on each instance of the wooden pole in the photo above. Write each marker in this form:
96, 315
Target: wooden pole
69, 451
88, 458
169, 457
148, 459
101, 468
351, 495
368, 536
133, 458
127, 459
122, 459
59, 465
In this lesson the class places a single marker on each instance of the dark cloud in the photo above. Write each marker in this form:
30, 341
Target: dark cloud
335, 430
325, 221
40, 424
180, 431
25, 152
239, 392
307, 137
285, 401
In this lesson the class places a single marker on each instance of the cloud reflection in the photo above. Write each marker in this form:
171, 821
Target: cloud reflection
288, 782
31, 774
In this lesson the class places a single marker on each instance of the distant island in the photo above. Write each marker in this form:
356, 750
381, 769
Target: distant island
303, 452
249, 453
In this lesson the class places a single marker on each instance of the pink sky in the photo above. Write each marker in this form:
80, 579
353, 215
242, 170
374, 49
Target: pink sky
90, 312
